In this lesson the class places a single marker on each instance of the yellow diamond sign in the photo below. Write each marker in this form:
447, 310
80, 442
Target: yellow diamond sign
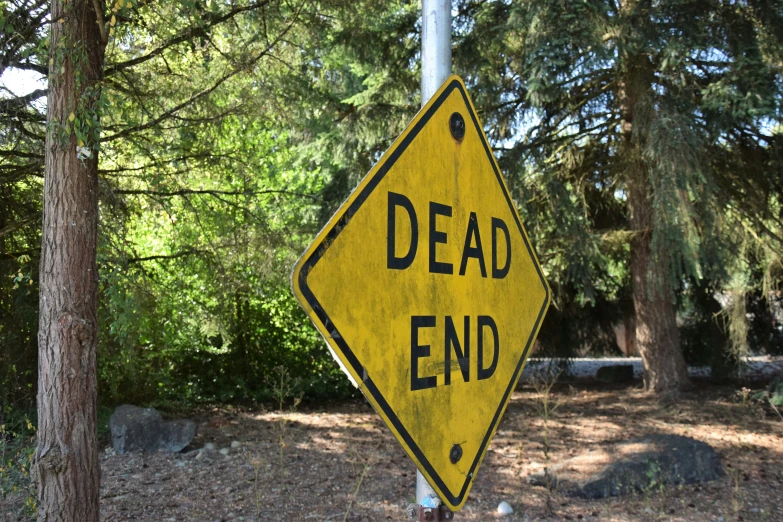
428, 292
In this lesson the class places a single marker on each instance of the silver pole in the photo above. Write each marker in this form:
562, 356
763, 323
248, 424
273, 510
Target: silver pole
423, 488
435, 68
435, 46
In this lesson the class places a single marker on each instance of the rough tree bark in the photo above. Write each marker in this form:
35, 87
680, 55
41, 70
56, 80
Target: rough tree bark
66, 463
657, 334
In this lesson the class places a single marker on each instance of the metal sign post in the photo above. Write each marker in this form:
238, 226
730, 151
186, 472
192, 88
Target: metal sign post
426, 288
435, 69
435, 46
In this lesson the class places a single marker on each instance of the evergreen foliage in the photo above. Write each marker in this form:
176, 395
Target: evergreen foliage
708, 132
548, 79
232, 131
202, 207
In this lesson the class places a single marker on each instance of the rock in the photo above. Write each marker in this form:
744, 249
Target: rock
209, 446
235, 444
634, 465
133, 428
224, 452
177, 434
616, 374
504, 509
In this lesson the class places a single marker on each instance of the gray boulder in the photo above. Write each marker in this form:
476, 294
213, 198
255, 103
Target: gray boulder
134, 428
634, 465
616, 374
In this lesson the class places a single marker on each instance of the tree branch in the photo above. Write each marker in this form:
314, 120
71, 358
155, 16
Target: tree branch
216, 193
10, 105
101, 22
200, 156
28, 66
212, 21
182, 253
13, 227
202, 93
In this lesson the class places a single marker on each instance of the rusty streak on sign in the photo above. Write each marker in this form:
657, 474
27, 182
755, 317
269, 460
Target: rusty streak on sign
428, 292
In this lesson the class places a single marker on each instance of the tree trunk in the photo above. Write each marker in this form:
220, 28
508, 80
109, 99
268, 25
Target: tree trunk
630, 335
657, 334
66, 463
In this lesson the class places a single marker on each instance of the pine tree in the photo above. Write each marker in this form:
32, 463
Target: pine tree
641, 140
648, 123
66, 461
151, 125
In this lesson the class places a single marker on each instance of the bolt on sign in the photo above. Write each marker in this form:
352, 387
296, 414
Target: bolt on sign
427, 290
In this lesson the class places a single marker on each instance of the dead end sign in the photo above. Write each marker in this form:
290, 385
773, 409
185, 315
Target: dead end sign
427, 290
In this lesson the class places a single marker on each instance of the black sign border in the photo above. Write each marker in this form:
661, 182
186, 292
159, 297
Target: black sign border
334, 333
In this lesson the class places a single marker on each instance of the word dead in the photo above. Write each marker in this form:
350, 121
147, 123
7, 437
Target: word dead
472, 248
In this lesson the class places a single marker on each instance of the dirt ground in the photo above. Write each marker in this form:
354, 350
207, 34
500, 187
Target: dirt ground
339, 462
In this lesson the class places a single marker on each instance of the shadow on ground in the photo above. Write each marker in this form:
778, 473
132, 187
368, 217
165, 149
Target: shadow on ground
340, 463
